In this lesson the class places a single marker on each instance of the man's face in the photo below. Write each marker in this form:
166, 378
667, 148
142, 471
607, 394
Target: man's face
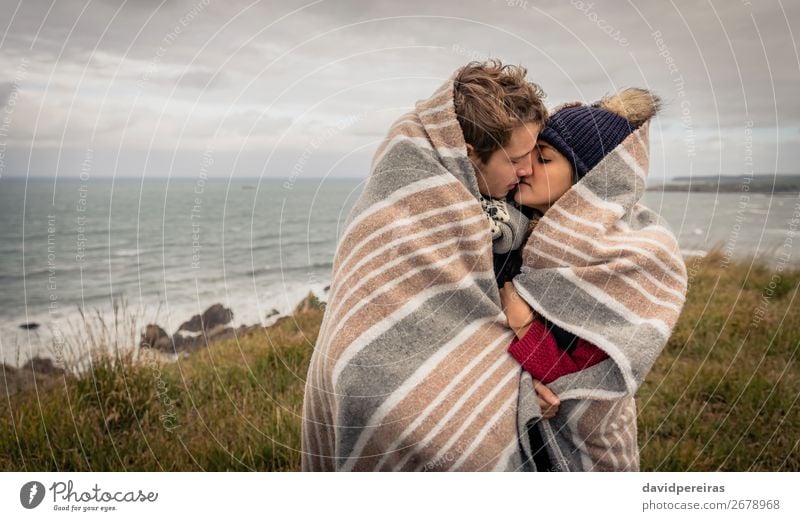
501, 173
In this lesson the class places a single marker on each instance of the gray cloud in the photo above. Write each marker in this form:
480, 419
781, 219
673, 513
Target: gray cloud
6, 88
266, 76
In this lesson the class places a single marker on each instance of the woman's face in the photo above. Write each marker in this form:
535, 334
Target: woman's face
551, 178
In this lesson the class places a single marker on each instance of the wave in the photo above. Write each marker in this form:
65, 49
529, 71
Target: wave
60, 270
284, 245
288, 269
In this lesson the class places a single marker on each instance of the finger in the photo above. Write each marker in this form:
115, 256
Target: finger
551, 404
545, 393
548, 413
547, 409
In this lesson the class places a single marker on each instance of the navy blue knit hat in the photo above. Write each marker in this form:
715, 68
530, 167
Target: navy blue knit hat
586, 133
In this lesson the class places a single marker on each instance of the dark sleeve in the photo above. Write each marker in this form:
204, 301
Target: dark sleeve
565, 340
507, 266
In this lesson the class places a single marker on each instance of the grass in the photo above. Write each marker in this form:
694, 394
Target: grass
234, 406
722, 396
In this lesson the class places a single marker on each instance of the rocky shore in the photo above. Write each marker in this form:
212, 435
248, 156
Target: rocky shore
198, 332
213, 325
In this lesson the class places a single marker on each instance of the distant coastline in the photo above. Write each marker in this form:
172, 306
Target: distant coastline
759, 184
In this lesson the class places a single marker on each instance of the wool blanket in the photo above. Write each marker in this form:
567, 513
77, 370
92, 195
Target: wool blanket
606, 268
411, 370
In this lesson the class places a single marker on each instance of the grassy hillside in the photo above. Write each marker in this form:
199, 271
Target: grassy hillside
723, 395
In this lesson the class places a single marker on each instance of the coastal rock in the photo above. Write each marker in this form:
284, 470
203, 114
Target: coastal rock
29, 325
217, 334
211, 327
154, 337
193, 325
194, 334
216, 315
181, 343
44, 366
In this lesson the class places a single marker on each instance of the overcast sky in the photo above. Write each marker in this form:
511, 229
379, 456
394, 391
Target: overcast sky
279, 89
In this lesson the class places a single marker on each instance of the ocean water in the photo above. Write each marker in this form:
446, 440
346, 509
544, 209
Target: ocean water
169, 248
744, 225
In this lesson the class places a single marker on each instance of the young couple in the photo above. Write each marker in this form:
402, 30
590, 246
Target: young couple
486, 229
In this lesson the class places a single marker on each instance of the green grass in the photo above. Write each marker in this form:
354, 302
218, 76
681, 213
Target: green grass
234, 406
722, 396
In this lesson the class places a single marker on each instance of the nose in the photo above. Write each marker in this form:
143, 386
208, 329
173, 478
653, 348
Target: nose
525, 167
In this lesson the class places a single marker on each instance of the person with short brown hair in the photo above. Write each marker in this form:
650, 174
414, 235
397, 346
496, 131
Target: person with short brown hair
500, 114
412, 311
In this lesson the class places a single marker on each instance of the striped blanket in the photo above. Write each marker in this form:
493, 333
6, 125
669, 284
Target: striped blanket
607, 269
410, 370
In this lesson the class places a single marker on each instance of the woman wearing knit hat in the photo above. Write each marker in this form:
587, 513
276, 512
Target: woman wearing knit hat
598, 270
576, 138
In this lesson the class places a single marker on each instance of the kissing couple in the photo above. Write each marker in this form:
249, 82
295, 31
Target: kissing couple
499, 293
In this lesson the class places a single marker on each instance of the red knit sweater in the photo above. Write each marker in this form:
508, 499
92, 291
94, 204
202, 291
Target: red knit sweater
539, 354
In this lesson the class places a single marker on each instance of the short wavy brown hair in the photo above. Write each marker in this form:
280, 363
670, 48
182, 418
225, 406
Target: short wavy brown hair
491, 99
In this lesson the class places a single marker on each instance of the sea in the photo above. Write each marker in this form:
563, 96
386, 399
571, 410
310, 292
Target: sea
166, 249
